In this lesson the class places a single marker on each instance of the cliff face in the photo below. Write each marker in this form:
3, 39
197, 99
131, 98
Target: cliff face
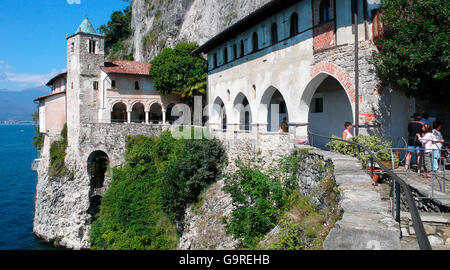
159, 24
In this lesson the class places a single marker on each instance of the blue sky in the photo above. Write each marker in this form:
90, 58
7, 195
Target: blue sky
33, 36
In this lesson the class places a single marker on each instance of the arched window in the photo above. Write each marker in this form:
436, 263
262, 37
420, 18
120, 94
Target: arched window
234, 52
274, 33
136, 85
225, 55
242, 48
325, 11
119, 113
215, 60
255, 41
113, 84
294, 24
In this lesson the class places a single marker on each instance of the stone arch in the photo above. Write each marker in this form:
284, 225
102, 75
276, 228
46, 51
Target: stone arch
138, 112
119, 112
272, 96
326, 106
97, 165
242, 112
168, 111
218, 113
155, 113
338, 73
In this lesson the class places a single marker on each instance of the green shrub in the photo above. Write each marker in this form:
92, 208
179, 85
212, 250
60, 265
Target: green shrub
264, 200
258, 202
58, 154
373, 143
149, 193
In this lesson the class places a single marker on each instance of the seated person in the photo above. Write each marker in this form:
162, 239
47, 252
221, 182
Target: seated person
284, 126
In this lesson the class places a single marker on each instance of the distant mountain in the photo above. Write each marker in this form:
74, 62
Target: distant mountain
18, 105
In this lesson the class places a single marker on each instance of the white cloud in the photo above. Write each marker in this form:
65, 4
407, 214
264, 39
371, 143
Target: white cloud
35, 79
71, 2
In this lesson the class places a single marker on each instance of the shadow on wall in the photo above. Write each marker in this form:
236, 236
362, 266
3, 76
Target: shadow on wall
329, 110
392, 117
439, 110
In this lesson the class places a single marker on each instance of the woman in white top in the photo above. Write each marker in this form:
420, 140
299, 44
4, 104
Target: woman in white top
347, 134
437, 147
428, 141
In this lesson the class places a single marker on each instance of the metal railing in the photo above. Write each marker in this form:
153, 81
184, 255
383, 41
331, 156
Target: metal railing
439, 179
398, 183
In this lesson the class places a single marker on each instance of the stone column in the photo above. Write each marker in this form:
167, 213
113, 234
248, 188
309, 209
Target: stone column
128, 117
163, 117
147, 117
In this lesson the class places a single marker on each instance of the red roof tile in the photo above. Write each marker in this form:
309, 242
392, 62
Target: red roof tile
127, 67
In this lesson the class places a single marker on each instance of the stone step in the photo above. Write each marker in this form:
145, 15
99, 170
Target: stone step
362, 239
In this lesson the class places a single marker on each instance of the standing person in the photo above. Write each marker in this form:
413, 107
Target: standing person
347, 134
415, 128
426, 119
284, 126
427, 142
437, 146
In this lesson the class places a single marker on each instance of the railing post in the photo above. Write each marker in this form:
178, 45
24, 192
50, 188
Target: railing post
371, 167
397, 201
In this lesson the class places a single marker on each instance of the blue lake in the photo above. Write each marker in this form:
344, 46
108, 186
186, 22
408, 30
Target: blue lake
17, 189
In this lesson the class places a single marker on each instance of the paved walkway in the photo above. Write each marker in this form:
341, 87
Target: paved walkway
366, 223
431, 187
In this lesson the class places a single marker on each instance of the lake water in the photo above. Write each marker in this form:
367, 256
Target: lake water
17, 189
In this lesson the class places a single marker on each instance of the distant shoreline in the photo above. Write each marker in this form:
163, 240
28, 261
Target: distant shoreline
18, 124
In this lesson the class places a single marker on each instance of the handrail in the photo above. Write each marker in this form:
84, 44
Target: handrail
422, 238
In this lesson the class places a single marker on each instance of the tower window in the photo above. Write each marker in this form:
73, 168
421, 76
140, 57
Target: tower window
225, 55
113, 84
325, 11
242, 48
274, 31
215, 60
95, 85
136, 85
92, 46
234, 51
294, 24
72, 47
255, 41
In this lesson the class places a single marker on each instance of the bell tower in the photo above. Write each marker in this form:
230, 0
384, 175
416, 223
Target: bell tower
85, 56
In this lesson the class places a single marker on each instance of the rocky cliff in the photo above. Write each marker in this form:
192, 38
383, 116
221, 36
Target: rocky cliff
158, 24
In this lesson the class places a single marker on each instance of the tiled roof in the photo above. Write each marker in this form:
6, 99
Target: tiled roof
50, 95
60, 75
127, 67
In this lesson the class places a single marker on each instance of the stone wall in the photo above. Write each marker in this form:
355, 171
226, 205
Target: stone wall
423, 205
437, 228
203, 225
63, 205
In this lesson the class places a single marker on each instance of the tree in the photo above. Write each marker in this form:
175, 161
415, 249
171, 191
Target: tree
177, 71
414, 53
117, 29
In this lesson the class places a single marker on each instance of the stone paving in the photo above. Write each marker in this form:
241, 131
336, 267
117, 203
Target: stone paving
431, 187
366, 223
